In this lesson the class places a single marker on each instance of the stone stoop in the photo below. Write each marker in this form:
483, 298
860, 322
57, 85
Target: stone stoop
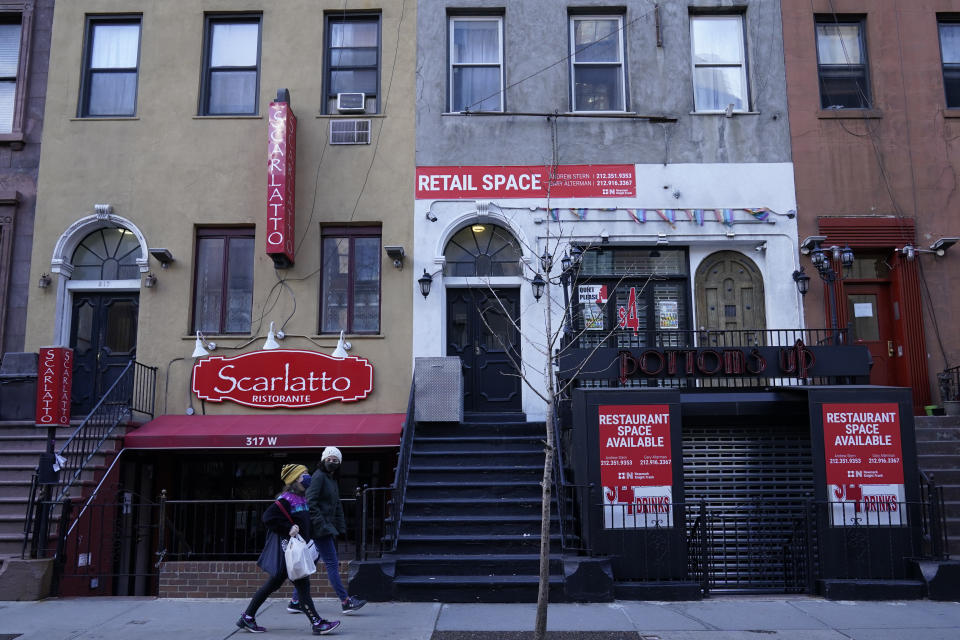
938, 456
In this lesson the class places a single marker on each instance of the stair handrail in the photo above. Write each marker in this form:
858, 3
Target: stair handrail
949, 383
397, 490
563, 489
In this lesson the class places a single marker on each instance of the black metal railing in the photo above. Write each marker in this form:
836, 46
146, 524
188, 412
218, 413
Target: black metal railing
933, 515
205, 530
949, 382
381, 509
737, 338
568, 495
133, 392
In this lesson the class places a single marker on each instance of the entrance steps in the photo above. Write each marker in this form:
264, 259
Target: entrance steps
470, 530
21, 444
938, 456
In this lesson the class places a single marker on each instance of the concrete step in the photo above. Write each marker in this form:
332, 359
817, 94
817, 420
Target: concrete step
938, 460
943, 477
943, 447
14, 488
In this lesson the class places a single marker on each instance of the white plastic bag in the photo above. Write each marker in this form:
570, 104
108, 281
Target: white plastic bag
313, 551
299, 562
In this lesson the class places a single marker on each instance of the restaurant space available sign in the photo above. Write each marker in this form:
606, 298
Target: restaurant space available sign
281, 183
864, 463
54, 386
282, 378
569, 181
636, 466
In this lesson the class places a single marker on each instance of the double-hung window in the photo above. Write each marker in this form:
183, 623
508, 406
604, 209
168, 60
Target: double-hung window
719, 63
111, 63
10, 29
476, 63
223, 282
950, 55
596, 63
842, 63
350, 296
231, 74
352, 59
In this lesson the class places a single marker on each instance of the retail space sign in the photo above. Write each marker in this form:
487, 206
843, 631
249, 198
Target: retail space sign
864, 464
567, 181
54, 386
288, 378
281, 183
636, 467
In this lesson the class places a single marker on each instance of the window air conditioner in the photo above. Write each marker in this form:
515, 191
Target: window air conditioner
351, 102
349, 132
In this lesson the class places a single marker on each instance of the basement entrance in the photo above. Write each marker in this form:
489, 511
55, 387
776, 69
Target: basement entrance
755, 481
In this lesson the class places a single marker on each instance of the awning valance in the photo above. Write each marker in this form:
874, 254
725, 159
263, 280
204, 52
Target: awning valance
305, 431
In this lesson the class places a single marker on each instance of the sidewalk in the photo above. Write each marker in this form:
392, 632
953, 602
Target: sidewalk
719, 618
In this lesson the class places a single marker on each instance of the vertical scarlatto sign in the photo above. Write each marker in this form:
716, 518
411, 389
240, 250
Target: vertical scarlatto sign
54, 385
281, 183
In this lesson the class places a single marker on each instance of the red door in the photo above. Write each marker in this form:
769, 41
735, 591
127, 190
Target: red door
868, 311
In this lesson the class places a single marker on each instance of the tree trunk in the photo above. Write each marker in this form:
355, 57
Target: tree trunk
543, 592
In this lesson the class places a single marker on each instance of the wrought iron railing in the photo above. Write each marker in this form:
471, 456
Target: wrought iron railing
949, 380
381, 508
669, 338
568, 495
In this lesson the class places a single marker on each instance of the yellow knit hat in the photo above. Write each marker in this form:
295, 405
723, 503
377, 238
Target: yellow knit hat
292, 472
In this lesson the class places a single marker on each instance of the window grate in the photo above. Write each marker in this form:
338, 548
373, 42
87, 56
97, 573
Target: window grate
349, 132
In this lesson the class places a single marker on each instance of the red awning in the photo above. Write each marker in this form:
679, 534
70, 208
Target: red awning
285, 431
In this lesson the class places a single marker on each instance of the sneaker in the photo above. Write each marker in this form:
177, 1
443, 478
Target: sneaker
250, 624
324, 627
351, 604
295, 607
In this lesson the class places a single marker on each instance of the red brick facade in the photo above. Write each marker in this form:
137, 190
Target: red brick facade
230, 580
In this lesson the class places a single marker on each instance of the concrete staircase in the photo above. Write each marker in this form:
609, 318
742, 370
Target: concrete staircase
938, 456
21, 444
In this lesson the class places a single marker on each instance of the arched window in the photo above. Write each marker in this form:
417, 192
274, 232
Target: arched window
482, 250
107, 254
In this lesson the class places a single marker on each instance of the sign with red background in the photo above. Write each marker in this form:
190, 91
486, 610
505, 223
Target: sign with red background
54, 385
862, 443
281, 183
282, 378
570, 181
635, 446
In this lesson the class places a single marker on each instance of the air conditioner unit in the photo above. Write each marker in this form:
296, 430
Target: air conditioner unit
349, 132
351, 102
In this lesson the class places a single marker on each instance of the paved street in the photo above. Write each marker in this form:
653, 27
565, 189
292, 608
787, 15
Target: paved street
719, 618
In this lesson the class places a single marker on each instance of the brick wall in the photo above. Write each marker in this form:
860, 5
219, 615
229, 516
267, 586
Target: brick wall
232, 580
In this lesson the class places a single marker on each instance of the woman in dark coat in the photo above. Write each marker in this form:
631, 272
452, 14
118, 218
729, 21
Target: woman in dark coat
293, 504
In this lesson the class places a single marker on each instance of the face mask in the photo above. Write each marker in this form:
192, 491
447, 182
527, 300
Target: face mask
331, 466
305, 480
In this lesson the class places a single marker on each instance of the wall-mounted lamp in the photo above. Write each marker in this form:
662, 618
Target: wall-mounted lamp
426, 281
202, 347
396, 254
431, 216
150, 281
810, 243
342, 347
538, 283
546, 261
802, 281
761, 247
163, 256
44, 281
942, 244
272, 337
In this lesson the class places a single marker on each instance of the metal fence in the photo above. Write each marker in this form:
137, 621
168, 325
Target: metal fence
949, 382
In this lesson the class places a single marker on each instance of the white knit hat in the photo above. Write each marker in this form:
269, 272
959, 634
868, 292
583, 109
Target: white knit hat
332, 452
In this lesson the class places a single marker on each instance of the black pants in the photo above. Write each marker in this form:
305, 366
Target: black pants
275, 582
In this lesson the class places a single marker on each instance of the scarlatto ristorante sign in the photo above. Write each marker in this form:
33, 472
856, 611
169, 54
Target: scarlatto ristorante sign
282, 378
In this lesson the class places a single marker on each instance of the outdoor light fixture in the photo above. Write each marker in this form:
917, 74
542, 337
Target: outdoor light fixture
150, 281
478, 228
342, 346
271, 341
565, 262
202, 347
538, 283
802, 281
938, 248
44, 281
396, 254
425, 281
942, 244
810, 243
163, 256
546, 262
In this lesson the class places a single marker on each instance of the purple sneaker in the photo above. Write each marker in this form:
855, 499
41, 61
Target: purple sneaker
250, 624
323, 627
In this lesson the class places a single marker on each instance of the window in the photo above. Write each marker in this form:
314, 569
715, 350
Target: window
352, 62
719, 63
476, 64
110, 67
223, 288
350, 298
9, 69
842, 64
596, 63
482, 250
107, 254
950, 54
231, 74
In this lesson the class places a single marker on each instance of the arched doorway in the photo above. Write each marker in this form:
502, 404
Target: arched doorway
103, 323
729, 293
483, 321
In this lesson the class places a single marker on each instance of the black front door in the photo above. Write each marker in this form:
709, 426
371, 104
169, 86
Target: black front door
103, 335
483, 328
